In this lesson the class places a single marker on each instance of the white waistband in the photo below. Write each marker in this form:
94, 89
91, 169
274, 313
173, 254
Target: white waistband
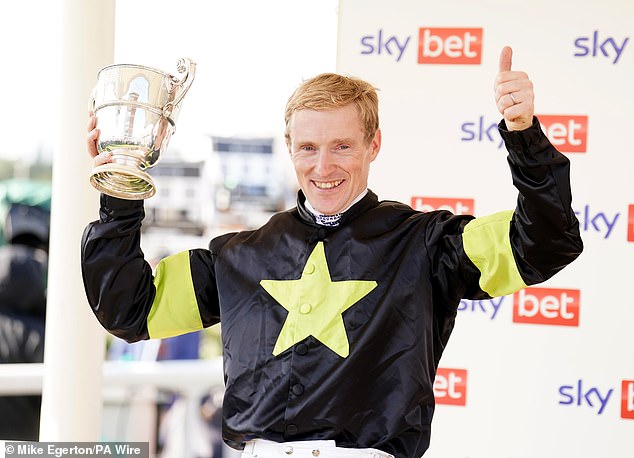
262, 448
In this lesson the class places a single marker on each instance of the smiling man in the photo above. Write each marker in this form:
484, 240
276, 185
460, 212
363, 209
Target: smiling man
332, 145
336, 312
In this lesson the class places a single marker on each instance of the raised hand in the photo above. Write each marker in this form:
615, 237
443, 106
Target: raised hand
514, 94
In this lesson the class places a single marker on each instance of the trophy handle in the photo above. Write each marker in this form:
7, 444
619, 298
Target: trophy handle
188, 67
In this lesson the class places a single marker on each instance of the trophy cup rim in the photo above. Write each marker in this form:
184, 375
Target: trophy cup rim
142, 67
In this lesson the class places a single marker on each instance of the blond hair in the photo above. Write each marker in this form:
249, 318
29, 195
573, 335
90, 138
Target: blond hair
329, 90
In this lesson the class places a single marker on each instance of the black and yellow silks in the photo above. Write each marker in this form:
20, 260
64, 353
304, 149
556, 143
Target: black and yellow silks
336, 332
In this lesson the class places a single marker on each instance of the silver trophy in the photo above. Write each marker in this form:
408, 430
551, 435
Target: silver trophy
136, 108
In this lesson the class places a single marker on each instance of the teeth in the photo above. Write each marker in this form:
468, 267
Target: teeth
327, 184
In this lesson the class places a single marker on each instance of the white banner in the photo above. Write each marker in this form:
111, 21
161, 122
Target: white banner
547, 372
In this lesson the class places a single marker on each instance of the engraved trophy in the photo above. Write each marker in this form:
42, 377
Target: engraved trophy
136, 109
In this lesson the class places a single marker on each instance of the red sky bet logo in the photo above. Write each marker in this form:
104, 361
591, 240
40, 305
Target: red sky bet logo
627, 399
547, 306
449, 46
458, 206
568, 133
630, 224
450, 386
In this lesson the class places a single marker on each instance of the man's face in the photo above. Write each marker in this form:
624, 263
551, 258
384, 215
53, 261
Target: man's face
331, 156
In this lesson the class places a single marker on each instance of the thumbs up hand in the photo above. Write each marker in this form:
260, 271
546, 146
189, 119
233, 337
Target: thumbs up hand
514, 94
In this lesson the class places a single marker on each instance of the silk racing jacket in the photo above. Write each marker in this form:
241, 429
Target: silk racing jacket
336, 332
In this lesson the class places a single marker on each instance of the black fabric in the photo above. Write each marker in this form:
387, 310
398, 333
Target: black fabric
118, 280
21, 341
22, 312
542, 176
381, 395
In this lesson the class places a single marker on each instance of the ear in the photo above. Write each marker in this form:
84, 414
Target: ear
375, 145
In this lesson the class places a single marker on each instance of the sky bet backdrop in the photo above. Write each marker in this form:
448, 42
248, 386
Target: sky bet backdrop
548, 371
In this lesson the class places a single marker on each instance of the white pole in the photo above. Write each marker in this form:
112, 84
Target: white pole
74, 345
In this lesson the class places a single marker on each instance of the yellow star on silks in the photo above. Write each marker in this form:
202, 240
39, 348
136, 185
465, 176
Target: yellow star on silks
315, 304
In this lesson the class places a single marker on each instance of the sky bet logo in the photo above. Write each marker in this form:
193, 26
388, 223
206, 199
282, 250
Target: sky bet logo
595, 398
537, 306
568, 133
550, 306
601, 47
438, 45
450, 387
541, 306
455, 206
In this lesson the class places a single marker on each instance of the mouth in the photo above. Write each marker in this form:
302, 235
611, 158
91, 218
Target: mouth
327, 184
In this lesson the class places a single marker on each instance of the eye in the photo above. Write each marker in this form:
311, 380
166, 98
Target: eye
308, 148
343, 147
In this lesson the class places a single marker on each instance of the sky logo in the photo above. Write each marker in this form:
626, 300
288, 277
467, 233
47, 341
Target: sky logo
581, 396
597, 221
549, 306
449, 46
383, 43
456, 206
488, 307
481, 131
595, 398
450, 386
596, 46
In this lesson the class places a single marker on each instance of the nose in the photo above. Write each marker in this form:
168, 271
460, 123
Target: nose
324, 163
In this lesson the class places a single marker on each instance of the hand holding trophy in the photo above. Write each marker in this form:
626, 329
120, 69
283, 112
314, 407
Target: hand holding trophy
137, 108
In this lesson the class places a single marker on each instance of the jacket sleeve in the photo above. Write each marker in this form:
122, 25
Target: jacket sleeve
513, 249
128, 299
